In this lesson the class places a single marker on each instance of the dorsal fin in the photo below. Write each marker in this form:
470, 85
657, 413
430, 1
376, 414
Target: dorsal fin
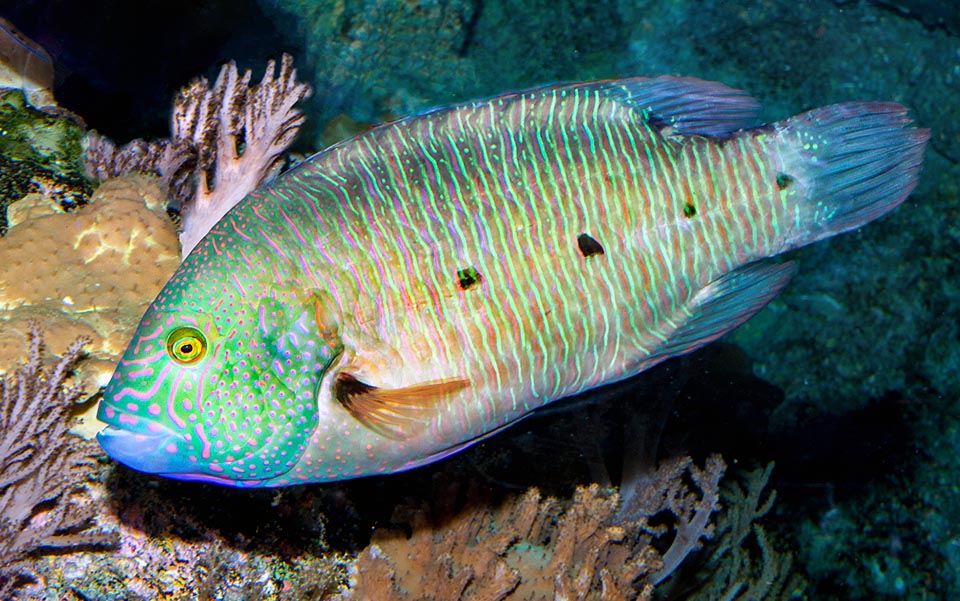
688, 105
395, 413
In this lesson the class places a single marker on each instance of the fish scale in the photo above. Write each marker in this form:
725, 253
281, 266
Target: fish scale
407, 292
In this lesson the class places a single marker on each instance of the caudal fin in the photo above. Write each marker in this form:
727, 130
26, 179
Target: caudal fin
851, 163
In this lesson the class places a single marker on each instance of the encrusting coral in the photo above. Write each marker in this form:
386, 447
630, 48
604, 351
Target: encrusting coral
43, 468
210, 127
91, 273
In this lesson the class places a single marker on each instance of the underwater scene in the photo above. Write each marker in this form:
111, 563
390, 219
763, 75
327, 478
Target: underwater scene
479, 299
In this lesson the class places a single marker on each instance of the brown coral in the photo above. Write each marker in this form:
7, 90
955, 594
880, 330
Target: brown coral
43, 500
528, 548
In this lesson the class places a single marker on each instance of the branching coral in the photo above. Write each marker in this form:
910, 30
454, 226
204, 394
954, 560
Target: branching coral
226, 141
43, 501
743, 563
534, 548
528, 548
665, 490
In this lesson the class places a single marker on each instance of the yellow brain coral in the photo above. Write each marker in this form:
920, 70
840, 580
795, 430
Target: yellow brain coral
92, 272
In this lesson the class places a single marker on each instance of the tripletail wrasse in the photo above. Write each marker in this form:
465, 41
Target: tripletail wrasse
407, 292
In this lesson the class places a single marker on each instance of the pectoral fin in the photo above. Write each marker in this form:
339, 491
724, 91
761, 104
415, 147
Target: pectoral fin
395, 413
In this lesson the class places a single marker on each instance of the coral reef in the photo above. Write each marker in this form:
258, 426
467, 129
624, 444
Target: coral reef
226, 141
92, 273
534, 548
44, 500
152, 563
528, 548
188, 542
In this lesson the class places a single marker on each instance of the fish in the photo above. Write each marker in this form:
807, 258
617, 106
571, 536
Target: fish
422, 286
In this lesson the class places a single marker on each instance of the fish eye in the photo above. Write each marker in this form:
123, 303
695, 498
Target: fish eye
186, 345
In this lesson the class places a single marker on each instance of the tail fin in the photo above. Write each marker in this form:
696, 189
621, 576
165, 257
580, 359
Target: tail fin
852, 163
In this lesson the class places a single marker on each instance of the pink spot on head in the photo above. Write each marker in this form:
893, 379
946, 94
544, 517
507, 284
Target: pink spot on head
132, 407
154, 409
110, 412
171, 448
155, 427
215, 468
205, 452
128, 419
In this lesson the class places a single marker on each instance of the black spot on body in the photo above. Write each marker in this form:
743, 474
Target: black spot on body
589, 246
784, 181
689, 210
468, 277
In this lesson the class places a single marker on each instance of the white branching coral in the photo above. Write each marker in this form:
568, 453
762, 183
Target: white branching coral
226, 141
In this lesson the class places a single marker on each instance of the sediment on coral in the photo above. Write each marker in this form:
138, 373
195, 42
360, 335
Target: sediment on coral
43, 468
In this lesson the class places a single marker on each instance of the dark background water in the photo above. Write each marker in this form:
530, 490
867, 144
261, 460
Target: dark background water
849, 381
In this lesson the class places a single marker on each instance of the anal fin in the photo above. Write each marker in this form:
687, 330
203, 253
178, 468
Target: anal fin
723, 305
395, 413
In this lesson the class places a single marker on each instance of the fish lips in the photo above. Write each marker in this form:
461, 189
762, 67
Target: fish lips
144, 452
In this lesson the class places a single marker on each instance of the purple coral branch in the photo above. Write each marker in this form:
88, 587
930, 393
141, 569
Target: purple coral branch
42, 465
693, 514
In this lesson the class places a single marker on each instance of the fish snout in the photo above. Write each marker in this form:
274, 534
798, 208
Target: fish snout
145, 452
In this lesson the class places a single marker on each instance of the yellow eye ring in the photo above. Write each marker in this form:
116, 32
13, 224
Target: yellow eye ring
186, 345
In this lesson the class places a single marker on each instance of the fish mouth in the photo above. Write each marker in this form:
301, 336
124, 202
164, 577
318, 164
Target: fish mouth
149, 453
144, 452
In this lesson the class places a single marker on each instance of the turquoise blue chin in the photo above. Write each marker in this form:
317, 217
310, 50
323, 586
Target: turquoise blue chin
142, 452
148, 453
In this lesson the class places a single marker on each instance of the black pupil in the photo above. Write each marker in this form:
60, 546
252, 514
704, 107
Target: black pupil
186, 348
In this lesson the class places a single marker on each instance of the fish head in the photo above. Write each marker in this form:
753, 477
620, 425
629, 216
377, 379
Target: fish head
222, 393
